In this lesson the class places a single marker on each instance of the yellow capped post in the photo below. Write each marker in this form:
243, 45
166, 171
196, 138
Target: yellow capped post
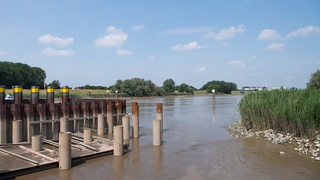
2, 94
34, 94
65, 94
50, 95
17, 94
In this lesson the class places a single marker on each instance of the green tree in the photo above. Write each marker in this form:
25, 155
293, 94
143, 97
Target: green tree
219, 86
314, 82
185, 88
21, 74
169, 86
55, 84
135, 87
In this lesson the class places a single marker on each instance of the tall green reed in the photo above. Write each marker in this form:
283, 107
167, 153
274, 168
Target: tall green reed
293, 111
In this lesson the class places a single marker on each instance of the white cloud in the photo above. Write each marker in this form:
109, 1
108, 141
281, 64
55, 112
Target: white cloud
114, 38
237, 63
304, 31
202, 69
186, 47
137, 27
54, 52
275, 46
226, 33
121, 52
187, 30
49, 39
268, 34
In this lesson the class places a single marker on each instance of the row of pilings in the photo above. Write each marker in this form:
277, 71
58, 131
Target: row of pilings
20, 118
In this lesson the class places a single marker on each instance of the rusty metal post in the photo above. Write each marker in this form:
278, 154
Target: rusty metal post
65, 94
102, 106
41, 109
159, 116
54, 111
94, 110
109, 117
75, 109
213, 99
34, 95
50, 95
65, 109
85, 106
29, 111
15, 111
135, 119
3, 124
17, 94
118, 111
2, 94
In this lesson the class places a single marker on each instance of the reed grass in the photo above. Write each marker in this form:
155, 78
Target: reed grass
293, 111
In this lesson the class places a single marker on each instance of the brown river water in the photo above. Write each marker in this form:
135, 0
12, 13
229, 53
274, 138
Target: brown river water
196, 147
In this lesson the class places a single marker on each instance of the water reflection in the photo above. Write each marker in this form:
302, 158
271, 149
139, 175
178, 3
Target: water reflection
64, 174
157, 158
117, 167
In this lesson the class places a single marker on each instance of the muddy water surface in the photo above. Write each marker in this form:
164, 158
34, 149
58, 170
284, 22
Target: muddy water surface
196, 146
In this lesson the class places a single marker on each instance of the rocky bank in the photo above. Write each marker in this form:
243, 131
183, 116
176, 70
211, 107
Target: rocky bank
309, 147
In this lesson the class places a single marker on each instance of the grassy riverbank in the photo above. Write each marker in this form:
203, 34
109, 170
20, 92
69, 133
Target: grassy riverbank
293, 111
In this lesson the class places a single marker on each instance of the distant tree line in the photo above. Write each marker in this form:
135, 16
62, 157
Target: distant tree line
12, 74
22, 74
92, 87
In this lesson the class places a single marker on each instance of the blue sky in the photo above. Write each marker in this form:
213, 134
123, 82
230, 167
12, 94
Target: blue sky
248, 42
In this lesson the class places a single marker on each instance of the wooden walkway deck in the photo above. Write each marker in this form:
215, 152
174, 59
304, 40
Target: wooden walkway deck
20, 159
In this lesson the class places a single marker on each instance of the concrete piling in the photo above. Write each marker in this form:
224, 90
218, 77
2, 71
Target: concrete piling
37, 142
126, 127
101, 120
64, 124
16, 131
64, 150
135, 119
118, 140
87, 135
156, 132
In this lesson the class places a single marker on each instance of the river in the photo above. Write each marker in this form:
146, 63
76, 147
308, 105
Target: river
196, 146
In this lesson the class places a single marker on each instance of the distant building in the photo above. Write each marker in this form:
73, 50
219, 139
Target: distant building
253, 88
